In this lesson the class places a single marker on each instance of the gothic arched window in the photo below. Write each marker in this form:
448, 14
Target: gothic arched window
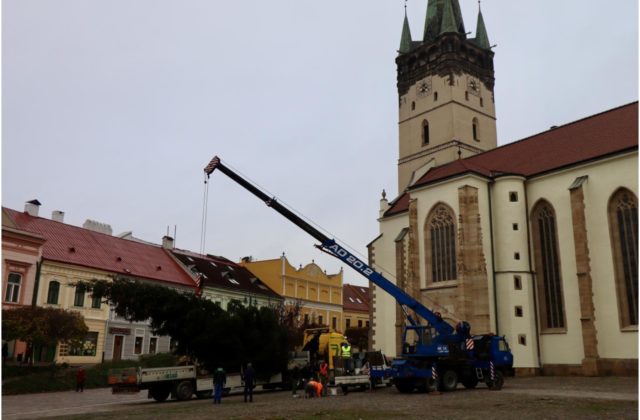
623, 227
440, 237
547, 262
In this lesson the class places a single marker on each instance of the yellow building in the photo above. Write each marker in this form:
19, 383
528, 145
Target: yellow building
319, 293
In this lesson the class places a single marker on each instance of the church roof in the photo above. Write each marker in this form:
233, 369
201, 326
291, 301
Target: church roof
588, 139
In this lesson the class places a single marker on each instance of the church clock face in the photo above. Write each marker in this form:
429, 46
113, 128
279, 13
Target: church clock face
473, 86
423, 87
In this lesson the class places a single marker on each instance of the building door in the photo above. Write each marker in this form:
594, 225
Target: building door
117, 347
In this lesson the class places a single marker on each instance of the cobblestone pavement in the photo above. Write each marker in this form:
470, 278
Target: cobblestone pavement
69, 402
567, 397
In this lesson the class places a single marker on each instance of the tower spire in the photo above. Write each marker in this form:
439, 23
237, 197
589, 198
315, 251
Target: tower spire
448, 19
482, 39
431, 22
405, 39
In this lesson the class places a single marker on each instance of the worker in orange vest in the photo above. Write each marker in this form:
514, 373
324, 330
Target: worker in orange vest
324, 376
313, 389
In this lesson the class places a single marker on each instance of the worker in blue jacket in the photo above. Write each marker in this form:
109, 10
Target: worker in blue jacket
219, 381
249, 378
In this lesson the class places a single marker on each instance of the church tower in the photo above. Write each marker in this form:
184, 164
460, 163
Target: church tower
445, 89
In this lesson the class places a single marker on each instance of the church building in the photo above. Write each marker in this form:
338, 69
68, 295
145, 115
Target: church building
536, 240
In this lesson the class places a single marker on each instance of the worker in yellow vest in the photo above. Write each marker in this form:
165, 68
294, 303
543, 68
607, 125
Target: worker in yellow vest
345, 352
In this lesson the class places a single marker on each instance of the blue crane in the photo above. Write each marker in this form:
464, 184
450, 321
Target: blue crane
441, 355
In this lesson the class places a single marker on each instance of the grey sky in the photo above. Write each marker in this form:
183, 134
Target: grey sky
111, 109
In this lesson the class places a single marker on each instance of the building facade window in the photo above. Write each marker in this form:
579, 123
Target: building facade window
440, 237
153, 345
359, 323
96, 302
137, 345
623, 228
517, 282
88, 347
54, 292
12, 293
348, 322
78, 299
547, 261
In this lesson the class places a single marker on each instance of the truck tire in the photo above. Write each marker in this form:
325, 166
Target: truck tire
449, 380
470, 382
404, 386
183, 390
432, 385
160, 393
497, 382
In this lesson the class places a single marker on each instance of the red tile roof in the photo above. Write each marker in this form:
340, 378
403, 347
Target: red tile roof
78, 246
594, 137
355, 298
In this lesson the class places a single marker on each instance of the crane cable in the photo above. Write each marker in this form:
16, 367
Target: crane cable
203, 225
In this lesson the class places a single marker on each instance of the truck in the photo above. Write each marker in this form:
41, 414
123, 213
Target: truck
178, 382
324, 344
435, 355
181, 382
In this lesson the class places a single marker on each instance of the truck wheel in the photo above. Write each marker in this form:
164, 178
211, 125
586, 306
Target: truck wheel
497, 383
404, 386
160, 393
432, 385
470, 382
449, 381
183, 391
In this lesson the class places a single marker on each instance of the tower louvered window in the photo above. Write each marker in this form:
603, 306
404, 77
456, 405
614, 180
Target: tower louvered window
548, 275
425, 132
441, 241
623, 225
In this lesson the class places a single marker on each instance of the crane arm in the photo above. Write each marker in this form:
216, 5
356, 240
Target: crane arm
332, 247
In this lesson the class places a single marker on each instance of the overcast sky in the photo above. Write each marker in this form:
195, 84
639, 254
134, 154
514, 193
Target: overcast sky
111, 109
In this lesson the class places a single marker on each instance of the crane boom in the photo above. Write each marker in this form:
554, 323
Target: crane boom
333, 248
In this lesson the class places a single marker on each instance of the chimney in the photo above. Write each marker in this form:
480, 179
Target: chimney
167, 242
32, 207
57, 216
97, 227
